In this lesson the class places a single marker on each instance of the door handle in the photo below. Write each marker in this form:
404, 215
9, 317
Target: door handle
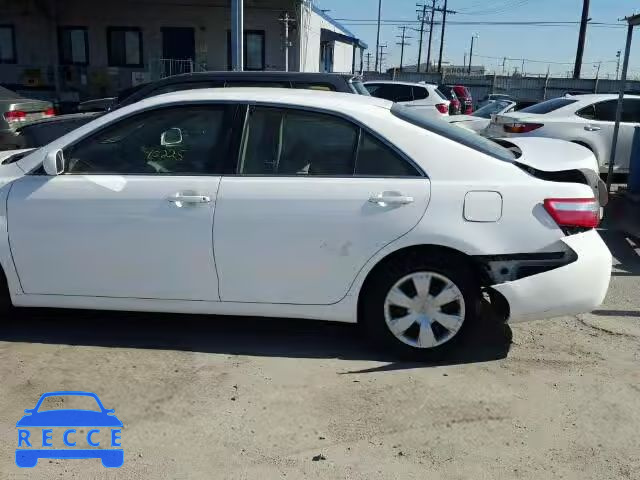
591, 128
390, 198
188, 199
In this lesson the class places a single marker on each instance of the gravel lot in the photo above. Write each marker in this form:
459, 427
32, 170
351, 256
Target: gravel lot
254, 398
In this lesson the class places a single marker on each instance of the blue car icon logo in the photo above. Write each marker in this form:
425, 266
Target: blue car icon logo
36, 433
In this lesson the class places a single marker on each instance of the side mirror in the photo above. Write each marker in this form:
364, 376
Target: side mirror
54, 163
171, 137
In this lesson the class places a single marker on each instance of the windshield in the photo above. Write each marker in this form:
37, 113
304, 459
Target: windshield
460, 135
359, 87
548, 106
69, 402
491, 108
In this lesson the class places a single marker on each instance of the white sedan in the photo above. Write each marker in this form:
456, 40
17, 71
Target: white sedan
302, 204
587, 120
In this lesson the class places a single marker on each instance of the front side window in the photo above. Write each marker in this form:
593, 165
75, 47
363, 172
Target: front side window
631, 110
184, 140
73, 46
292, 142
7, 44
124, 46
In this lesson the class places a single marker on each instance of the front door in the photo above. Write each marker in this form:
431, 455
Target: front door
306, 212
178, 43
132, 215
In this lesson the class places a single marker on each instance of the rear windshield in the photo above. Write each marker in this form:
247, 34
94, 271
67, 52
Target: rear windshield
491, 108
442, 95
548, 106
359, 87
461, 135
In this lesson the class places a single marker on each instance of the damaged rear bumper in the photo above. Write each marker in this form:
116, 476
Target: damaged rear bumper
569, 282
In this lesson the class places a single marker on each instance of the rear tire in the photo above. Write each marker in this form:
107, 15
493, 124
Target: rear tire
5, 298
430, 303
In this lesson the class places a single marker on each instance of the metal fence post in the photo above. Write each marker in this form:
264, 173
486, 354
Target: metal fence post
237, 35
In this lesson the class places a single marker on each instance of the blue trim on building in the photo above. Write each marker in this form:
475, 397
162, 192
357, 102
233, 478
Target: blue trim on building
337, 24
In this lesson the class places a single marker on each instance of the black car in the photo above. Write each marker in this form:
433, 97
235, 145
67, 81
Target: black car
335, 82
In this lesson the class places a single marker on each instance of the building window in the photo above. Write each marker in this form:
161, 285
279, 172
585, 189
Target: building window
7, 44
73, 45
124, 46
254, 56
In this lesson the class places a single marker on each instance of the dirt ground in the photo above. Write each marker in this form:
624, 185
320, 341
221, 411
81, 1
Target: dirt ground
251, 398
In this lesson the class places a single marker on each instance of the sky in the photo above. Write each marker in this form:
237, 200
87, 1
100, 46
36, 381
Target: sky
539, 45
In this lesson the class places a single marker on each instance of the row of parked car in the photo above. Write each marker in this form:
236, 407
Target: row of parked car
336, 206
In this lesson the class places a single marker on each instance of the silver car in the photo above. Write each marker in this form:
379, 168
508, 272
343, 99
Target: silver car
16, 112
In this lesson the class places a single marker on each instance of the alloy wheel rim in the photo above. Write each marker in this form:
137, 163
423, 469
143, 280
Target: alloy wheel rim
424, 309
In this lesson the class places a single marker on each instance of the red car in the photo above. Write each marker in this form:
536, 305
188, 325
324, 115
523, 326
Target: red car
464, 95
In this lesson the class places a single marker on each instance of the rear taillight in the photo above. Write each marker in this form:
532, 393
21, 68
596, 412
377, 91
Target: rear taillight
15, 115
574, 212
49, 112
442, 107
521, 127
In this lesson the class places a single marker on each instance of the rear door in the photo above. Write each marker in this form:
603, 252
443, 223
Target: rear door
313, 199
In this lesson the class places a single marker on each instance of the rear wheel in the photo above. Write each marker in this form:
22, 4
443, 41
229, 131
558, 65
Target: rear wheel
421, 308
5, 298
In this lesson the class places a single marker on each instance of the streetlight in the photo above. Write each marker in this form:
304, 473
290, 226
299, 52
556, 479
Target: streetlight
473, 37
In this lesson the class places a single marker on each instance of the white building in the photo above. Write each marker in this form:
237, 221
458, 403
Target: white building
83, 48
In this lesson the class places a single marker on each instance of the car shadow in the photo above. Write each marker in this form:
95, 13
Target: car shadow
252, 336
623, 248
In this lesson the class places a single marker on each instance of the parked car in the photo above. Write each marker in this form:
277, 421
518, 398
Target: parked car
455, 106
423, 97
17, 111
334, 82
587, 120
394, 220
464, 95
480, 119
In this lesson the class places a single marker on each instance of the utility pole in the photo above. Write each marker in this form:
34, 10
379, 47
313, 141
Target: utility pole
402, 44
378, 34
522, 69
368, 61
433, 12
464, 61
504, 62
380, 55
237, 34
444, 22
422, 18
581, 38
286, 19
473, 37
618, 64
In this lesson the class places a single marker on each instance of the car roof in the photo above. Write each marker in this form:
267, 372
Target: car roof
259, 75
595, 97
307, 98
394, 82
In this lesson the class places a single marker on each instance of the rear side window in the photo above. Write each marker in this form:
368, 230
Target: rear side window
631, 110
420, 93
291, 142
325, 87
377, 159
548, 106
391, 91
